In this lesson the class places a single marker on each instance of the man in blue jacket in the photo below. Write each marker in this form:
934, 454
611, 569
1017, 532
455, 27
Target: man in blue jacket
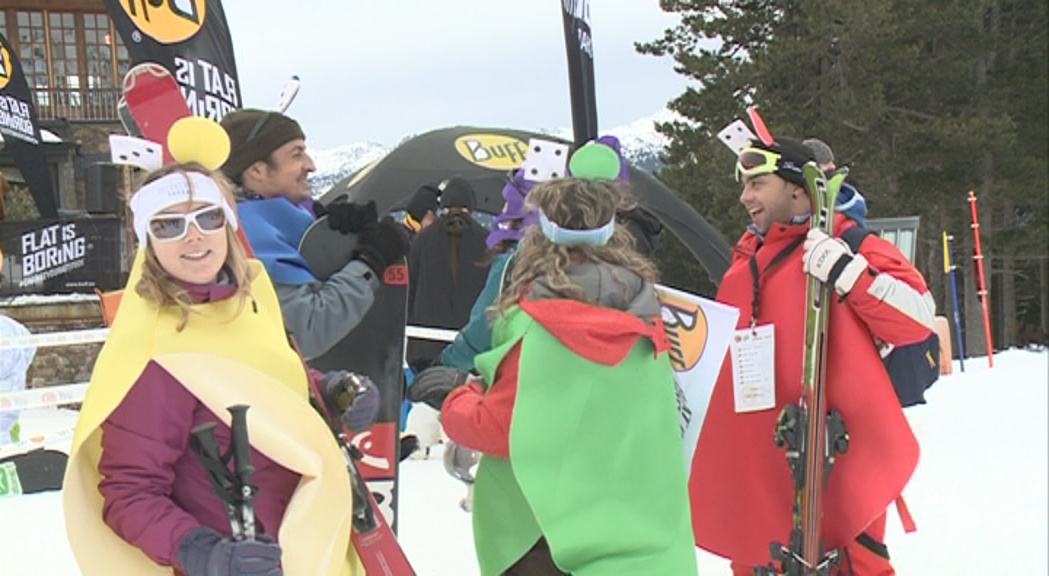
269, 164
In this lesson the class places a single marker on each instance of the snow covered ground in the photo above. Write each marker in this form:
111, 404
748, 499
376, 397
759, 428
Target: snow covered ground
980, 496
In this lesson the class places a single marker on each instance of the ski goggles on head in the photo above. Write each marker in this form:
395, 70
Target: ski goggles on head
174, 227
755, 161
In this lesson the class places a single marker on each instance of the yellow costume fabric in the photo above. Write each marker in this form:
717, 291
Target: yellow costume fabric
223, 358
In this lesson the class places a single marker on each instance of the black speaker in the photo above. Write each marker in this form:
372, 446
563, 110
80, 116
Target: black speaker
102, 188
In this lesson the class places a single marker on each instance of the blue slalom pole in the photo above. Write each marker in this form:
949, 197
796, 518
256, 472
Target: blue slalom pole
949, 268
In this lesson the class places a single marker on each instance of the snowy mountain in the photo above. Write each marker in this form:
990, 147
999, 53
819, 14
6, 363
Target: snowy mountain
334, 164
642, 145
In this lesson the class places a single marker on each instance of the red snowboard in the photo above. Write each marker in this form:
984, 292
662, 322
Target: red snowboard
154, 101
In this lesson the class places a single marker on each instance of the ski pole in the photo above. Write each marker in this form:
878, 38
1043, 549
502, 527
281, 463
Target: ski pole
233, 488
243, 470
983, 282
205, 446
949, 269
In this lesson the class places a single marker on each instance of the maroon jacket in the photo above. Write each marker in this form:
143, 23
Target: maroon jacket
154, 489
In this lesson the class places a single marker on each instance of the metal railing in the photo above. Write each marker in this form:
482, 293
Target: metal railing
98, 104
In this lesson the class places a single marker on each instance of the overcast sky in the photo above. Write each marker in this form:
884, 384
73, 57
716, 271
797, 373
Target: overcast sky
380, 70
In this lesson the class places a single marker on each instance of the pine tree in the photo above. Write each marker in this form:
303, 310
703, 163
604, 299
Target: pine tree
924, 101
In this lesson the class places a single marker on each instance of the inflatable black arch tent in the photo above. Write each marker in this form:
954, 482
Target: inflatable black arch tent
484, 156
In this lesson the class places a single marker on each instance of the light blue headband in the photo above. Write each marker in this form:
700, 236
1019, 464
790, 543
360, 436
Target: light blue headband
566, 237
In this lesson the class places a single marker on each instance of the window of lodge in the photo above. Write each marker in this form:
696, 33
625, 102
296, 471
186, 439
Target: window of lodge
65, 62
99, 44
73, 60
32, 51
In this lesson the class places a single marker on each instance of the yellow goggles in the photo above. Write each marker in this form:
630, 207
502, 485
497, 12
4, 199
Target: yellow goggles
754, 161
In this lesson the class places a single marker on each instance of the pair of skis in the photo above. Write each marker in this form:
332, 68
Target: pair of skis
812, 434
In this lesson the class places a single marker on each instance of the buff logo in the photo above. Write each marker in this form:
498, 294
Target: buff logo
493, 151
6, 69
167, 21
686, 327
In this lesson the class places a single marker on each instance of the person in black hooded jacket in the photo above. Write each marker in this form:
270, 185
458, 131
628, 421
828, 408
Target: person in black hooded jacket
446, 266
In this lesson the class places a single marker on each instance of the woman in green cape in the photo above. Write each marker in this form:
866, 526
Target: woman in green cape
576, 412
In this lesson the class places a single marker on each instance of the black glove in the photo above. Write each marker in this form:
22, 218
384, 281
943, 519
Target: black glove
381, 244
203, 552
434, 384
350, 218
353, 397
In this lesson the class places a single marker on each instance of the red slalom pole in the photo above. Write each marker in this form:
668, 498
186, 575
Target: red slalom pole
983, 283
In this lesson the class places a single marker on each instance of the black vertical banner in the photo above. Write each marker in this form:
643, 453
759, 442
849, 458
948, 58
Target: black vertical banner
576, 16
191, 39
20, 128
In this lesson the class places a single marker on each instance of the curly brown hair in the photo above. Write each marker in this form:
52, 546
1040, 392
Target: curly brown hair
159, 286
574, 204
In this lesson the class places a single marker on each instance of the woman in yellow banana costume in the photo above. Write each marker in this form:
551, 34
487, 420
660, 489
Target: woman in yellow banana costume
199, 329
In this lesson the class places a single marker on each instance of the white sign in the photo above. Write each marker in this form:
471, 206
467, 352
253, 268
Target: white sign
699, 331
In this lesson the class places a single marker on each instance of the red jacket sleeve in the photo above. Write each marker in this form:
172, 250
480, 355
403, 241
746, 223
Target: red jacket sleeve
141, 442
892, 298
479, 419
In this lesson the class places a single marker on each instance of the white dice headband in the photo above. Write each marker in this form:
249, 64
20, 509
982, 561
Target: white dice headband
163, 193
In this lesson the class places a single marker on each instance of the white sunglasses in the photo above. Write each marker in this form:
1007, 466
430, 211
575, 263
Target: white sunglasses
174, 227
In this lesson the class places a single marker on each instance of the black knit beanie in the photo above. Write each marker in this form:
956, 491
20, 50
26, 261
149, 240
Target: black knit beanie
458, 193
793, 157
253, 136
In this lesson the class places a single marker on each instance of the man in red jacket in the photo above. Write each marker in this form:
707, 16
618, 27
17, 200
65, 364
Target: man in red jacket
741, 487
